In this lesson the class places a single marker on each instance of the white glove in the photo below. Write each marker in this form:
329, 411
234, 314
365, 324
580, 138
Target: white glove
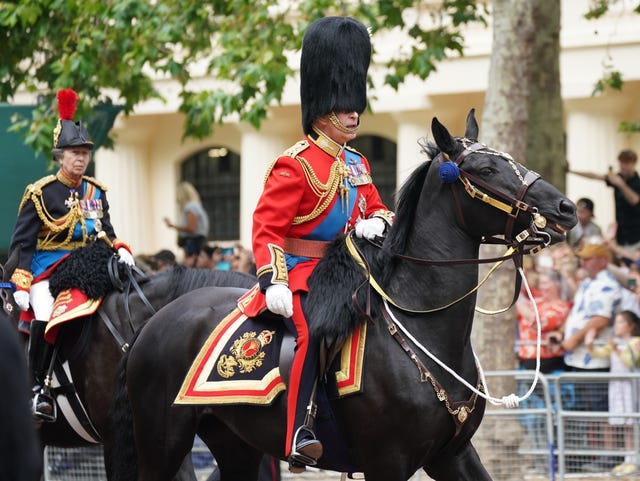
370, 228
279, 300
22, 300
126, 257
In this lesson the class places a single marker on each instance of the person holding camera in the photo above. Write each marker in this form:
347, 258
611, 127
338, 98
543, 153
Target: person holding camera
626, 185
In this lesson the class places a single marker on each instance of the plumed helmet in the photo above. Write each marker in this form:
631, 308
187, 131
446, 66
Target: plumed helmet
336, 52
67, 132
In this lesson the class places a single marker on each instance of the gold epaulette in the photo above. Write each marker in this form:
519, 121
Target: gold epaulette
95, 182
296, 148
35, 188
292, 152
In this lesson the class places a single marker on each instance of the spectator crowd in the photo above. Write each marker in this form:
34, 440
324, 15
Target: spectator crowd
584, 295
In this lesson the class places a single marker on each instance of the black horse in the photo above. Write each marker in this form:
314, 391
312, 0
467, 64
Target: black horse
93, 347
416, 289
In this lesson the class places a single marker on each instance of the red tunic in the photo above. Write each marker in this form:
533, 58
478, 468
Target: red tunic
316, 190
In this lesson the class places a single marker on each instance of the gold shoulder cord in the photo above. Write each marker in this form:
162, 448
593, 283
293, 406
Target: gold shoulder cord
53, 227
324, 191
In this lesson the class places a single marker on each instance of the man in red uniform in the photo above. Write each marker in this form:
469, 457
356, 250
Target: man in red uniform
318, 189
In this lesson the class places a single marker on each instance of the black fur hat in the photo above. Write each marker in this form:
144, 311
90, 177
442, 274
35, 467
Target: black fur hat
336, 52
67, 132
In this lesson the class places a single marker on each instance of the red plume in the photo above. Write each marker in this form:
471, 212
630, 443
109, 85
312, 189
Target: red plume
67, 103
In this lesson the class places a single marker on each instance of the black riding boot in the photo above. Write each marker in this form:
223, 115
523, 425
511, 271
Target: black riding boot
306, 449
43, 406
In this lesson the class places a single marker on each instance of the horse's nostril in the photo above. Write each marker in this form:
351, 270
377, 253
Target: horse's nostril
567, 207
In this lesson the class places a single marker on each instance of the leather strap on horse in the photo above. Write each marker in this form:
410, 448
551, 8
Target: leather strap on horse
124, 345
68, 389
459, 410
125, 287
359, 258
133, 282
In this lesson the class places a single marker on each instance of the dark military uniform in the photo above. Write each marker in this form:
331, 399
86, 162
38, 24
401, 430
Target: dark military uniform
56, 217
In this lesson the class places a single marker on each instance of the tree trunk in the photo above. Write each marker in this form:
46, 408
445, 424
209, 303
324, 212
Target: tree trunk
546, 143
522, 116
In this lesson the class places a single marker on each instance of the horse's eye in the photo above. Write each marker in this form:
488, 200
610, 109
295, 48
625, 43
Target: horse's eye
486, 171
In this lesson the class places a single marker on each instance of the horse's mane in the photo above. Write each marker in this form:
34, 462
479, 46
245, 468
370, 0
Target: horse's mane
407, 203
183, 279
329, 306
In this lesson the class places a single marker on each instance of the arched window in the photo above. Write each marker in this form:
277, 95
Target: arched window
215, 173
381, 154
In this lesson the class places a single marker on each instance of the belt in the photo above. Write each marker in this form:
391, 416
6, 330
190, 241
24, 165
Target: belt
56, 246
305, 248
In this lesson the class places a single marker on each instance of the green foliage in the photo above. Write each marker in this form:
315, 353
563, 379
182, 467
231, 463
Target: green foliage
597, 8
113, 51
629, 127
611, 79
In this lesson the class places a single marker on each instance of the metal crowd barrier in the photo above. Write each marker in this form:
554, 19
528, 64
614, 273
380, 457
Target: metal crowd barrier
553, 435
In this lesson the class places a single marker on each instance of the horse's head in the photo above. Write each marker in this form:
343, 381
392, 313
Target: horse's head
487, 182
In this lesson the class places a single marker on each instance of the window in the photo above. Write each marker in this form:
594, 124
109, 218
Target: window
215, 173
381, 154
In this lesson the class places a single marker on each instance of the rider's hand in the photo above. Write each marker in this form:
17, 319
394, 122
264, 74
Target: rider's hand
22, 300
370, 228
126, 257
279, 300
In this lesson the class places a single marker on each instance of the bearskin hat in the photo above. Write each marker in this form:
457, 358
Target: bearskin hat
67, 132
336, 52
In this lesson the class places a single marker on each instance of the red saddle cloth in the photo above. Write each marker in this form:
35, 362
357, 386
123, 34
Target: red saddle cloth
238, 363
70, 304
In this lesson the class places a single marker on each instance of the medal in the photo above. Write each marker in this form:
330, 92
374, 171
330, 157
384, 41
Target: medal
72, 200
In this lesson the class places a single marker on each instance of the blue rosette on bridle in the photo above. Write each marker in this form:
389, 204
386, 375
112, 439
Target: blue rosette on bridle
449, 172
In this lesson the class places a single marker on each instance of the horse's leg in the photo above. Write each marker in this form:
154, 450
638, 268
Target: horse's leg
163, 437
464, 465
237, 460
187, 471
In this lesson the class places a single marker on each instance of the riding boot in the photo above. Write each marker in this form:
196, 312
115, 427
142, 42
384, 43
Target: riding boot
43, 405
306, 449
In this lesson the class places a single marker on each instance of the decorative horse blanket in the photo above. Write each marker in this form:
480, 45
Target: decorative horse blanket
240, 364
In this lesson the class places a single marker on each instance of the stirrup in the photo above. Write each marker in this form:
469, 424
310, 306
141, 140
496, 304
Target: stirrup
43, 407
305, 452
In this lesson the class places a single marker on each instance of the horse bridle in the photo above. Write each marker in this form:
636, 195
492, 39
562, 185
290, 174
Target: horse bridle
511, 206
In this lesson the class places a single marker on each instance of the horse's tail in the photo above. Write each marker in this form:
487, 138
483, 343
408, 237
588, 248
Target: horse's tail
123, 458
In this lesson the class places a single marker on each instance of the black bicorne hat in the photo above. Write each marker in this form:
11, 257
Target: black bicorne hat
336, 52
67, 132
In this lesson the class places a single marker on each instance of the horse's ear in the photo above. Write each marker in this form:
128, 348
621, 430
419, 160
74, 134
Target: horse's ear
442, 137
472, 126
